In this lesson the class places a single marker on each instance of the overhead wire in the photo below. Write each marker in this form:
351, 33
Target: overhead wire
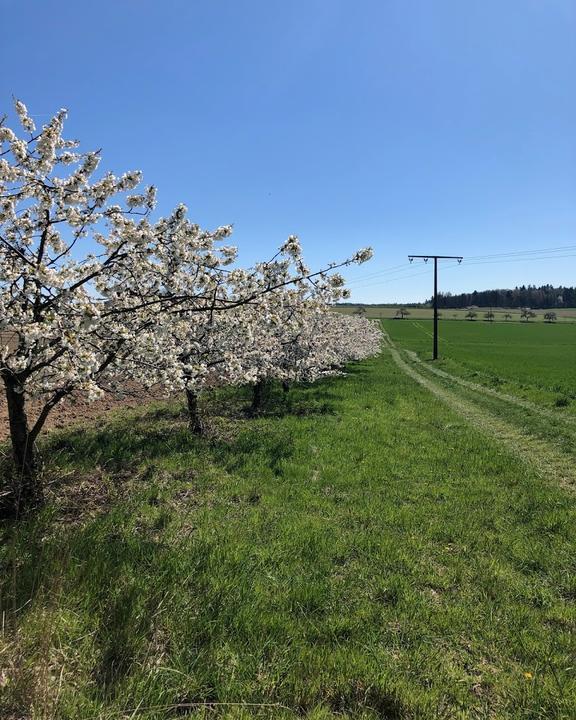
398, 272
522, 252
393, 279
397, 268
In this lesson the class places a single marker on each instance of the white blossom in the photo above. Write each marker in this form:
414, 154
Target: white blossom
363, 255
25, 119
93, 292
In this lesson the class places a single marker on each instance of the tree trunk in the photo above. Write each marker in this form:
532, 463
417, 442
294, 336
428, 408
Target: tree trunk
257, 396
194, 419
26, 492
285, 386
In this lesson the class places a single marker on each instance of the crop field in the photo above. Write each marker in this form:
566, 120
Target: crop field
387, 544
536, 361
385, 312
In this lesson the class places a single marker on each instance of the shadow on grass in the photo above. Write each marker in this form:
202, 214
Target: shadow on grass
136, 438
300, 400
117, 573
357, 697
89, 467
355, 369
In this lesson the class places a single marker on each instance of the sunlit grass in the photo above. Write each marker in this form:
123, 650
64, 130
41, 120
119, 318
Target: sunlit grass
536, 361
357, 552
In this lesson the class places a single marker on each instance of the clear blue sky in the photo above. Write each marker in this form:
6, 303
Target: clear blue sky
443, 126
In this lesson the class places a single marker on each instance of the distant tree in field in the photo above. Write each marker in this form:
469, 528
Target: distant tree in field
527, 314
402, 313
489, 316
507, 316
550, 317
360, 310
471, 315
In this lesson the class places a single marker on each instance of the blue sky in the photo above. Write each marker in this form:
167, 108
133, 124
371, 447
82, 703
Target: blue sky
413, 126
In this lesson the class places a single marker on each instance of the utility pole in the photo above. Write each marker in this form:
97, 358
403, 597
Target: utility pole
436, 258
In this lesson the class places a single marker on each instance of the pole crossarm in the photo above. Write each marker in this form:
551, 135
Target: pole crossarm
436, 258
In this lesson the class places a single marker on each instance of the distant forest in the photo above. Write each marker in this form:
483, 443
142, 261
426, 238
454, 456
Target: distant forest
545, 296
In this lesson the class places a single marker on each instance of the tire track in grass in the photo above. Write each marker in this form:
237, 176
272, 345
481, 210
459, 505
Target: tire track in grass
537, 454
559, 435
428, 333
476, 387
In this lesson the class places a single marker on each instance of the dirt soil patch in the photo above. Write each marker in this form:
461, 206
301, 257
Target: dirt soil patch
77, 409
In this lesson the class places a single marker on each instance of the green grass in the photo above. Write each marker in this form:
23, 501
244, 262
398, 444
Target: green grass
536, 361
358, 552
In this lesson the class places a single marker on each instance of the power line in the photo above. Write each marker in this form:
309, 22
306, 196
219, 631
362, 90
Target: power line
523, 252
465, 263
379, 273
516, 260
393, 279
515, 256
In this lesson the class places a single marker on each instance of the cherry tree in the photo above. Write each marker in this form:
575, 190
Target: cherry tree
266, 355
87, 279
83, 273
237, 342
327, 342
303, 339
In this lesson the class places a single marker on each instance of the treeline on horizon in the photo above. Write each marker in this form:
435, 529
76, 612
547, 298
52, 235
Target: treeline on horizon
526, 296
545, 296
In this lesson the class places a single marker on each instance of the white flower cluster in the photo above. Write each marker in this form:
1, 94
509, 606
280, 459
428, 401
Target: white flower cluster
93, 290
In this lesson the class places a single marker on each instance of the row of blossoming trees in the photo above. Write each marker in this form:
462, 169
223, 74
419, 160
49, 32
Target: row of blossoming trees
96, 294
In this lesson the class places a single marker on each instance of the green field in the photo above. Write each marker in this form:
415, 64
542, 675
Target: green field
388, 544
383, 312
536, 361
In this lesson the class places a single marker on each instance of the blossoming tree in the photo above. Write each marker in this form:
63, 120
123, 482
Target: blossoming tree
81, 277
87, 281
233, 343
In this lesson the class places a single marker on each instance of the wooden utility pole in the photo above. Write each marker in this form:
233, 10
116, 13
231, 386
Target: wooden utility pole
435, 301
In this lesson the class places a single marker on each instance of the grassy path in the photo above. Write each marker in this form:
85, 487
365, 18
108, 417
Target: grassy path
512, 399
531, 362
536, 451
